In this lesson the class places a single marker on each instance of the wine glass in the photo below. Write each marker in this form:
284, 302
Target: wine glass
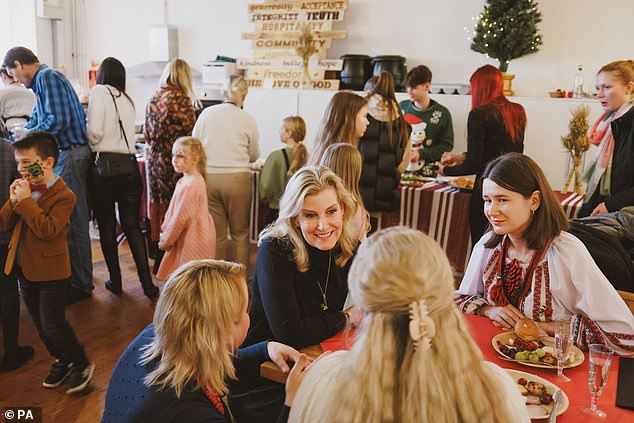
598, 370
562, 346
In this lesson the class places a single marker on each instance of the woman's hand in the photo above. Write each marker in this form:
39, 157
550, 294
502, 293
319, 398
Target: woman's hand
281, 354
296, 376
599, 209
503, 317
440, 168
452, 159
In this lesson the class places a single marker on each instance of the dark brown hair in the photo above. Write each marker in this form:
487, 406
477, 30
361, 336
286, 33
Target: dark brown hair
384, 87
519, 173
418, 75
44, 143
20, 54
338, 123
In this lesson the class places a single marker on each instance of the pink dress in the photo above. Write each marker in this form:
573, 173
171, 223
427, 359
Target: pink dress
188, 231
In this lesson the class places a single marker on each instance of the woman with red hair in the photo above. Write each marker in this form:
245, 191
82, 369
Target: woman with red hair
495, 127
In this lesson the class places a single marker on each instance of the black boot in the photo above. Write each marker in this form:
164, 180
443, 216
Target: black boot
150, 290
114, 287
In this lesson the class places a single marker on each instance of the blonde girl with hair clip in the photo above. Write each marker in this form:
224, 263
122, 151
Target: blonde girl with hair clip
231, 139
300, 279
345, 120
169, 115
188, 231
178, 368
345, 160
413, 359
282, 164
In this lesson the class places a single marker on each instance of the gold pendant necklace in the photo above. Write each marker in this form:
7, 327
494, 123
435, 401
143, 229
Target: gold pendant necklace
324, 303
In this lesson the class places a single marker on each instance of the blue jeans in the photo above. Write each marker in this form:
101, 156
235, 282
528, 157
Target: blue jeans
73, 166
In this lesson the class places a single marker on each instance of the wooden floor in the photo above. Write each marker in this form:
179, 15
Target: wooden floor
105, 324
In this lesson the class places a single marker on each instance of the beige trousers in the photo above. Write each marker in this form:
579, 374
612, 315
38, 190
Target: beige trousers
229, 202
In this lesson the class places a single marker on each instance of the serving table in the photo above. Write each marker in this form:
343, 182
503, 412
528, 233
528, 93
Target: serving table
482, 331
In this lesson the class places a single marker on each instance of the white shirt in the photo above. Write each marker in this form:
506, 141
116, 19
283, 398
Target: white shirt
230, 136
566, 284
103, 128
16, 104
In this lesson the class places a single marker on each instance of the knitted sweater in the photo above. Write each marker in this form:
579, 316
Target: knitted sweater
437, 128
188, 231
230, 136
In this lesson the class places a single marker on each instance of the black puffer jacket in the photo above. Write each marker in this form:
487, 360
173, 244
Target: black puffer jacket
609, 237
622, 180
379, 184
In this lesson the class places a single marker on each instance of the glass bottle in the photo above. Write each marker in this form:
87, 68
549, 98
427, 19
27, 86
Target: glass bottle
578, 85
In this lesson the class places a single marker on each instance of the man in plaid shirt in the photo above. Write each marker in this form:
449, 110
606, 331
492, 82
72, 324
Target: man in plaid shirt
58, 110
14, 354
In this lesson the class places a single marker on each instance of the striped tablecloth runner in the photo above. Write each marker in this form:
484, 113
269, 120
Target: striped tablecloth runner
440, 211
571, 203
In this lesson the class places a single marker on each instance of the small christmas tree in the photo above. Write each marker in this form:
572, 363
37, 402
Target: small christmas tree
507, 29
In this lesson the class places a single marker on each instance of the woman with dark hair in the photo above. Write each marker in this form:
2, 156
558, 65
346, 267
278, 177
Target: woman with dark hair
345, 120
110, 127
495, 126
529, 266
384, 147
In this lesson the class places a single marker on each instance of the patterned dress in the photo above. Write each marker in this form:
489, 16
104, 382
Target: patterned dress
565, 284
168, 116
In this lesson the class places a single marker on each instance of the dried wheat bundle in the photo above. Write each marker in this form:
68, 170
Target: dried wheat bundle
305, 49
577, 142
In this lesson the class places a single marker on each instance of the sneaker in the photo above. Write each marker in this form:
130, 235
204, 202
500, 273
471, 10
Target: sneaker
80, 376
18, 358
58, 374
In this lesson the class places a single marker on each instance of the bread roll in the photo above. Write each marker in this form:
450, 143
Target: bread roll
527, 330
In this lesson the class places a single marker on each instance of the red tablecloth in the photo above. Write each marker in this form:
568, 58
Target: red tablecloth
482, 331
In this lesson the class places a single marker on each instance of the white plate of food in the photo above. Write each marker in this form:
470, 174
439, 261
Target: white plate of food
538, 393
537, 353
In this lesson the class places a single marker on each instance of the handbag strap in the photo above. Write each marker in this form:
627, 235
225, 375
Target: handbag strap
288, 165
125, 137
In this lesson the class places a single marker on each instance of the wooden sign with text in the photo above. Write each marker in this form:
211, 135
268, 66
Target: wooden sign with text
290, 44
283, 74
325, 64
325, 84
298, 5
322, 15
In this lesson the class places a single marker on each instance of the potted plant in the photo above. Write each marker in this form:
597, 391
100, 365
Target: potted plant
506, 30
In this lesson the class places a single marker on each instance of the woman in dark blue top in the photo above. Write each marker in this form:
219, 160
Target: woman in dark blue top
177, 369
300, 278
495, 126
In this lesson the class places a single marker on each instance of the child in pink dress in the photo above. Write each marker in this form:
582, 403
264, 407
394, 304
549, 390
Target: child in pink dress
188, 231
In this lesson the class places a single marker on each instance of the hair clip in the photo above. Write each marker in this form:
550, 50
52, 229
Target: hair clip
421, 327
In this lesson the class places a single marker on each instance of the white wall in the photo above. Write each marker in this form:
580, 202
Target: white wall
17, 25
424, 31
